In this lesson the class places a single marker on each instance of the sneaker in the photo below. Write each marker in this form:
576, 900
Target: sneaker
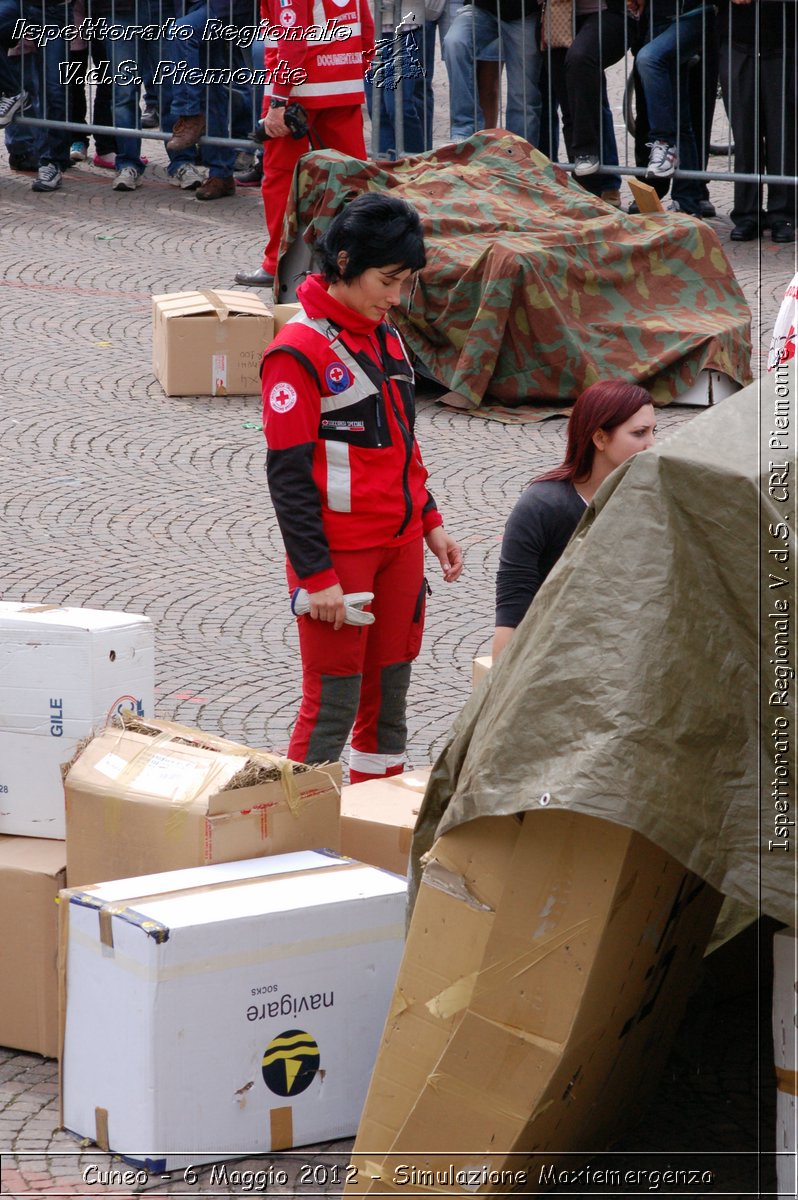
187, 177
127, 180
216, 188
150, 118
47, 179
187, 132
676, 207
586, 164
106, 161
11, 105
662, 160
78, 152
612, 196
253, 177
244, 160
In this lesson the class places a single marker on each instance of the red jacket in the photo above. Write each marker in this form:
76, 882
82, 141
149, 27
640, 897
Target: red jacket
344, 469
332, 55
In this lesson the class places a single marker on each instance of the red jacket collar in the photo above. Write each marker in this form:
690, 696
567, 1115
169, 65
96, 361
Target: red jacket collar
317, 302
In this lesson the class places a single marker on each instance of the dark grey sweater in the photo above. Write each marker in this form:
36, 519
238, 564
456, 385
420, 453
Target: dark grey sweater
537, 531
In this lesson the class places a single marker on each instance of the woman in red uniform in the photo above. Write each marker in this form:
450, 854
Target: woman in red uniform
349, 487
327, 44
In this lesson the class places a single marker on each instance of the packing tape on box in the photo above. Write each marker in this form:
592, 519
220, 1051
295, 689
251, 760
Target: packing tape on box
263, 955
101, 1128
216, 303
787, 1081
476, 1096
462, 992
128, 911
281, 1123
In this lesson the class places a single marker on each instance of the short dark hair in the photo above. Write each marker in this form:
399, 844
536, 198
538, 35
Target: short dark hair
375, 230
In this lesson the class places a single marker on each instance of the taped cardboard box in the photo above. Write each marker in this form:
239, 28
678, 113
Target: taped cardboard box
283, 314
547, 965
227, 1010
378, 818
209, 343
32, 872
156, 796
64, 672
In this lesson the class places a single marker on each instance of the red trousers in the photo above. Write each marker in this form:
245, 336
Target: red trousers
359, 674
339, 128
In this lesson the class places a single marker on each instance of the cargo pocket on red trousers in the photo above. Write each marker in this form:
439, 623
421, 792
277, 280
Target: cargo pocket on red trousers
417, 624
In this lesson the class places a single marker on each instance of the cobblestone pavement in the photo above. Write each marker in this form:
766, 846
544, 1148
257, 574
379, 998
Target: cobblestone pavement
112, 495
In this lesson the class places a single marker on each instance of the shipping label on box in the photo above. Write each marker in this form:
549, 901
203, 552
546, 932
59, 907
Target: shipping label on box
32, 873
209, 343
64, 672
226, 1010
156, 796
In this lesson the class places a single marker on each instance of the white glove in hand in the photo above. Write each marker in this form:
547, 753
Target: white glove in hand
300, 606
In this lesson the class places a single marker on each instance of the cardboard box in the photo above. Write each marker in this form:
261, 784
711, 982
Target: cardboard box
64, 672
479, 669
155, 796
785, 1047
226, 1010
547, 965
283, 314
32, 872
378, 818
209, 343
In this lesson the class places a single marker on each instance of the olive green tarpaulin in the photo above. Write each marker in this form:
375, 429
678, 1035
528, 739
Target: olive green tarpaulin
534, 288
631, 688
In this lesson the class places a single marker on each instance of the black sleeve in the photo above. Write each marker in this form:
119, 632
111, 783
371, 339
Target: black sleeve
537, 531
297, 505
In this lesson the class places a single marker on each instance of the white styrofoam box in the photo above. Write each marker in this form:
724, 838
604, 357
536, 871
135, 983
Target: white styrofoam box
785, 1049
709, 388
227, 1010
64, 672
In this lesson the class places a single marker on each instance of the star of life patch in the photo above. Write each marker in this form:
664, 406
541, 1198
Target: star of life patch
282, 397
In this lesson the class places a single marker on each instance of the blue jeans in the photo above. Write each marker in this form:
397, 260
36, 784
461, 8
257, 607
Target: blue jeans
223, 107
406, 56
662, 67
41, 74
130, 62
476, 35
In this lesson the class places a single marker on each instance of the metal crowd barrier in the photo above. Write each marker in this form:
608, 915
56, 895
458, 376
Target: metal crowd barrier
496, 71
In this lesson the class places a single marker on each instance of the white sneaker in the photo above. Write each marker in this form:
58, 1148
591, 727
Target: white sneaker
187, 177
127, 180
47, 179
586, 164
662, 160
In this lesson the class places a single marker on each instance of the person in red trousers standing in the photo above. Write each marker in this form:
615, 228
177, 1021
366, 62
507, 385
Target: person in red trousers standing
349, 488
328, 44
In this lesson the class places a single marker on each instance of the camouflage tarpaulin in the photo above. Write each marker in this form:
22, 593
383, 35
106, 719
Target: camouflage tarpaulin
534, 288
630, 690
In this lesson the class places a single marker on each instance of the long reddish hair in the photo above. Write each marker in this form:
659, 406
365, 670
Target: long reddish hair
600, 406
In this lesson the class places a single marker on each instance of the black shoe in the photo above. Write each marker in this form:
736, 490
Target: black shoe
706, 209
745, 231
259, 278
150, 118
23, 162
253, 177
782, 231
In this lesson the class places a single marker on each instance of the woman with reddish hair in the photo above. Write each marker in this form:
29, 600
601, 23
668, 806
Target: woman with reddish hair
609, 423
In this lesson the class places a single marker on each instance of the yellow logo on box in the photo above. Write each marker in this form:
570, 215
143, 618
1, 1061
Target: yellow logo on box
290, 1063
